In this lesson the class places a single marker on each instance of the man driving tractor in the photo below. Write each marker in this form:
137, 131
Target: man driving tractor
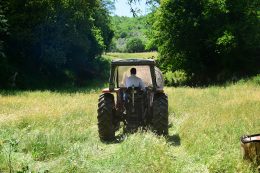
133, 80
135, 101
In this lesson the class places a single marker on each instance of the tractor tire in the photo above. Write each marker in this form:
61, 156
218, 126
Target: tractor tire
160, 114
106, 113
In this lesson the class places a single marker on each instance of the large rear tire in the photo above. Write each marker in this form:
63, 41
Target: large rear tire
160, 114
106, 114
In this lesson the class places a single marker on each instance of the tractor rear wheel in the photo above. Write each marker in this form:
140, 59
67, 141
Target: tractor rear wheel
106, 113
160, 114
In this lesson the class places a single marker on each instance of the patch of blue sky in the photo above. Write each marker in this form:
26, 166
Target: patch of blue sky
122, 8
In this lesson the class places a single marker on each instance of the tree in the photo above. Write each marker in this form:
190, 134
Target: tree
210, 40
3, 34
50, 39
135, 45
153, 4
3, 30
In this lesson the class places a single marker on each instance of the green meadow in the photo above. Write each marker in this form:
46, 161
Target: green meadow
54, 63
56, 131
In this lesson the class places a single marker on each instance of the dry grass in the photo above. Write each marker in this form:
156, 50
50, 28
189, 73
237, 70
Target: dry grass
131, 55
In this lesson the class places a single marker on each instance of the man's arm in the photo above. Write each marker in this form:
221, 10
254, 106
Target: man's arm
141, 83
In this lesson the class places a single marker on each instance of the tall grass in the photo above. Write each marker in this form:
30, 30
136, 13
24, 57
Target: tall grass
214, 119
57, 131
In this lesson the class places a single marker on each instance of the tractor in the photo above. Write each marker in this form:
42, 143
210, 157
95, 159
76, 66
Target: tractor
135, 107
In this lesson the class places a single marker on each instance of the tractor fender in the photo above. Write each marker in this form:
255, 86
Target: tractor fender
106, 90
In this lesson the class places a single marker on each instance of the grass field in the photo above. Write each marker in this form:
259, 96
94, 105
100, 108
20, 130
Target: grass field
130, 55
57, 131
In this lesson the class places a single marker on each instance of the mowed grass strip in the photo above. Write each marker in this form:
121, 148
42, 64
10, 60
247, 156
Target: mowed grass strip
43, 130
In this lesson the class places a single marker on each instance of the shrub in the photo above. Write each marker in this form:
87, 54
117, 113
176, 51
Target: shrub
123, 35
135, 45
177, 78
256, 79
252, 80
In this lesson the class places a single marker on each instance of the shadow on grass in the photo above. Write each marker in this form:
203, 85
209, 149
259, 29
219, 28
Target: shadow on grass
116, 140
93, 86
253, 79
174, 140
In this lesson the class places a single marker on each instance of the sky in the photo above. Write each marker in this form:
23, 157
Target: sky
123, 9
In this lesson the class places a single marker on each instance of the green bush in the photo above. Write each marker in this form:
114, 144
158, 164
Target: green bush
252, 80
135, 45
256, 79
177, 78
123, 35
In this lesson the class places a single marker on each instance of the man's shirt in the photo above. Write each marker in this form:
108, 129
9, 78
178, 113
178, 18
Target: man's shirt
134, 80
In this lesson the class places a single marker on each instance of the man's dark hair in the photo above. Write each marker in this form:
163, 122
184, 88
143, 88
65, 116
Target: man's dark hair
133, 70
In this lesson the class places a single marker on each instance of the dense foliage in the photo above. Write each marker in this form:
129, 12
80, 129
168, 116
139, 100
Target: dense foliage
210, 40
49, 42
135, 45
127, 29
54, 41
3, 29
3, 33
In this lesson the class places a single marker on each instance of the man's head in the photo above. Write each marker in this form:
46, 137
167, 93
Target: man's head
133, 71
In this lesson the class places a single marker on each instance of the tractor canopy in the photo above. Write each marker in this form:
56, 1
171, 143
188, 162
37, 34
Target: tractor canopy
146, 70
